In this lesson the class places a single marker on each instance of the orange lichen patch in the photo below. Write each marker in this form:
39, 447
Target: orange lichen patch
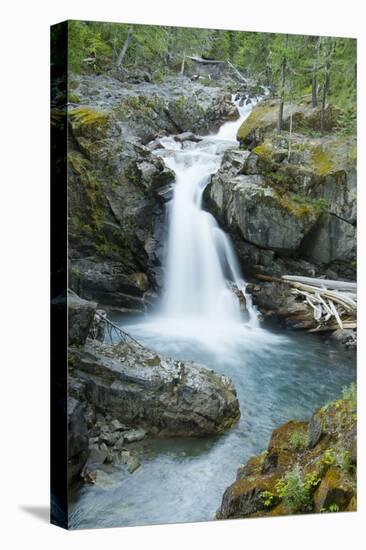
335, 488
352, 506
280, 439
279, 510
253, 466
247, 485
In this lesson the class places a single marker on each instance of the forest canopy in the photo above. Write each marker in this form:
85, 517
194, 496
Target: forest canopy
292, 65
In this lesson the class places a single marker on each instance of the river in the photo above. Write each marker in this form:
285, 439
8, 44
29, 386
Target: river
279, 375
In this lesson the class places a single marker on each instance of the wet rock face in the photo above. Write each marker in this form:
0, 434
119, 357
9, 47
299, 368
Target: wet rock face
275, 299
140, 388
118, 395
254, 209
331, 239
308, 467
285, 208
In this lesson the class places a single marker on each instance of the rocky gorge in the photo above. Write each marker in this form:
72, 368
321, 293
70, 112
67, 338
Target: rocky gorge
118, 188
289, 205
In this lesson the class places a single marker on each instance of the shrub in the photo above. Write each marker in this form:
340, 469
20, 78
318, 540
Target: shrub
299, 440
296, 491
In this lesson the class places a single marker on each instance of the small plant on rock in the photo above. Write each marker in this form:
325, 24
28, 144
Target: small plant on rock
299, 440
296, 491
343, 461
331, 508
328, 457
267, 498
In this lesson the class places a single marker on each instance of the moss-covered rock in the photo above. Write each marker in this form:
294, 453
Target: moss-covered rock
263, 119
262, 214
335, 491
88, 122
301, 471
295, 196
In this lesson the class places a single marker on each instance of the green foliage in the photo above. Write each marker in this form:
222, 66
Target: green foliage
88, 116
286, 62
328, 457
343, 460
322, 161
320, 204
72, 98
299, 440
267, 498
296, 490
331, 508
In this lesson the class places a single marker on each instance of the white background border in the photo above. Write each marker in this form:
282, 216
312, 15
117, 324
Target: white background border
24, 313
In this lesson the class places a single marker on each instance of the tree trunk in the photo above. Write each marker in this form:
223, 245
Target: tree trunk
314, 79
324, 98
114, 53
282, 96
183, 63
325, 84
125, 47
290, 136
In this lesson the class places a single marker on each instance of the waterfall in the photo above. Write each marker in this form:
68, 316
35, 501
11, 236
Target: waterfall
201, 262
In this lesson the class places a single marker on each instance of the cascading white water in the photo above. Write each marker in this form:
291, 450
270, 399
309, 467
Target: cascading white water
200, 257
199, 306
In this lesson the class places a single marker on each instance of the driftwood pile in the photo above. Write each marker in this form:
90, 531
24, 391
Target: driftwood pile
334, 303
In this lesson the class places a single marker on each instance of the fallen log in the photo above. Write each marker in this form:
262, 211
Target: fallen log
238, 74
334, 326
325, 283
329, 300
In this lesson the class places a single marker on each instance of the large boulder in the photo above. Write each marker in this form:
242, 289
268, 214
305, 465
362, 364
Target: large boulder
81, 314
77, 438
141, 388
108, 284
289, 210
262, 216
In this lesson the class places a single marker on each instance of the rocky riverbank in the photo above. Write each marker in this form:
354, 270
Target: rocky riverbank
120, 394
289, 203
308, 467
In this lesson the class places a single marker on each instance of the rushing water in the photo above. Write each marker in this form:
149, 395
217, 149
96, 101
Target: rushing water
200, 258
277, 379
278, 376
